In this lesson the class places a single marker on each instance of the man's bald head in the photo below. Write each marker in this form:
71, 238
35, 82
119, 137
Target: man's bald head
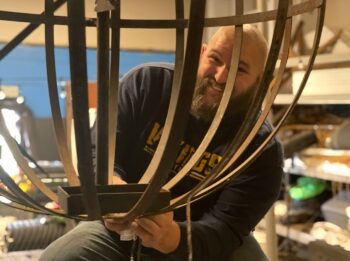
251, 36
214, 68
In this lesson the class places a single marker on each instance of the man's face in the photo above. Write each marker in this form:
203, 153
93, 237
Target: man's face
212, 75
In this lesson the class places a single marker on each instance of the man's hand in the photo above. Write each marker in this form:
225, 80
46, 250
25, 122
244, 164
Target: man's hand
116, 226
160, 232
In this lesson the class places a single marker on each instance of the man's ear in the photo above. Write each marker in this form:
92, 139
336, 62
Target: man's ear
204, 48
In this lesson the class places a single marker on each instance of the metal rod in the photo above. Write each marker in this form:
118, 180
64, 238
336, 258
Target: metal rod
296, 9
180, 102
25, 33
77, 51
226, 96
60, 136
22, 162
113, 88
254, 108
102, 97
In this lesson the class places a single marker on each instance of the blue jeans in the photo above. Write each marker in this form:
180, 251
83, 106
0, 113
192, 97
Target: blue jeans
92, 241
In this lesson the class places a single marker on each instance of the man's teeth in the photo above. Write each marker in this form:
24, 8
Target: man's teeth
217, 88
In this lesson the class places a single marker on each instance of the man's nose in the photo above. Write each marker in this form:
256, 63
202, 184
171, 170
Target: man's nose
221, 75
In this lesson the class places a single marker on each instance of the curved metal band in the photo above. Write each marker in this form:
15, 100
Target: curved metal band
22, 207
21, 196
60, 135
113, 88
296, 9
17, 202
180, 102
226, 97
217, 185
23, 164
269, 97
254, 108
77, 51
239, 34
102, 118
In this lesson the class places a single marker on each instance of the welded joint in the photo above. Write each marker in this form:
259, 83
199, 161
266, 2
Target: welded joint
104, 5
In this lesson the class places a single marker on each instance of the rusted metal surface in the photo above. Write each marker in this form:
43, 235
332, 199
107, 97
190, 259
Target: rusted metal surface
182, 91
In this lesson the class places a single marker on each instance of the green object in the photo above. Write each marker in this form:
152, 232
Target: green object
307, 188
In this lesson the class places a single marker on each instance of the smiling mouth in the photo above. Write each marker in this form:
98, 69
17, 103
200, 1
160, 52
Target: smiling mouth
216, 88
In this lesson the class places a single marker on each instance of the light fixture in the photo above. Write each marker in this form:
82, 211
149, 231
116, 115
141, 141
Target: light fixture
2, 94
20, 99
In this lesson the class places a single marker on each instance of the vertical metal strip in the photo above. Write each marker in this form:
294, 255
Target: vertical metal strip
270, 97
179, 59
180, 102
102, 96
113, 88
77, 51
60, 136
226, 96
222, 182
254, 108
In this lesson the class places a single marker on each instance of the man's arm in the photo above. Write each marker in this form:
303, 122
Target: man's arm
240, 206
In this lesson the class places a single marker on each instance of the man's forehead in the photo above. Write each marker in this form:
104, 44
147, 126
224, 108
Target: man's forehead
225, 51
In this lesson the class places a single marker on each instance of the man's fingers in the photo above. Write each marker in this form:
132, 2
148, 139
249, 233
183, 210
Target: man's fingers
148, 225
145, 236
161, 219
116, 227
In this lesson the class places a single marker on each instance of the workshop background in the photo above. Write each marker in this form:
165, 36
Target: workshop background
312, 215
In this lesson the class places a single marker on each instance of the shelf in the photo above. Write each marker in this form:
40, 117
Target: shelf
295, 233
342, 178
285, 99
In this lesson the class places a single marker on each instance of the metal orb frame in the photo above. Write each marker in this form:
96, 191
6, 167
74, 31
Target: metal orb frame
186, 63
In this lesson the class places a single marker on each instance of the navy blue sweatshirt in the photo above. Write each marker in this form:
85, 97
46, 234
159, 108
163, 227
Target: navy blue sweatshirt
220, 220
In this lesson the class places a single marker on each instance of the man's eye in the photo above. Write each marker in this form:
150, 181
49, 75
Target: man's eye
241, 69
214, 59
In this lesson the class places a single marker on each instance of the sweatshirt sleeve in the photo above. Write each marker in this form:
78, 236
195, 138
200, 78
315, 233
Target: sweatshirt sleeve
238, 209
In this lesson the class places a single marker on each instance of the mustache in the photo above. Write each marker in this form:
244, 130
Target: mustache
206, 82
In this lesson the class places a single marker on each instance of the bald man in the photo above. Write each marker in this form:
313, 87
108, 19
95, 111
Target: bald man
221, 222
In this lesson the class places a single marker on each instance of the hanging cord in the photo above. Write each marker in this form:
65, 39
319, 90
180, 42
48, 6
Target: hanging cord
135, 252
189, 229
133, 248
30, 158
138, 253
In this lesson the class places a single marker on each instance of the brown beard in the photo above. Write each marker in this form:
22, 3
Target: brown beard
236, 109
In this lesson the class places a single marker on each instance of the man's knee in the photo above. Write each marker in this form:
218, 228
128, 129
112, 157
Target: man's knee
88, 241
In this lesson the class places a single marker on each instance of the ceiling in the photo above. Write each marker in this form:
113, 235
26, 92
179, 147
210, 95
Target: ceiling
150, 39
